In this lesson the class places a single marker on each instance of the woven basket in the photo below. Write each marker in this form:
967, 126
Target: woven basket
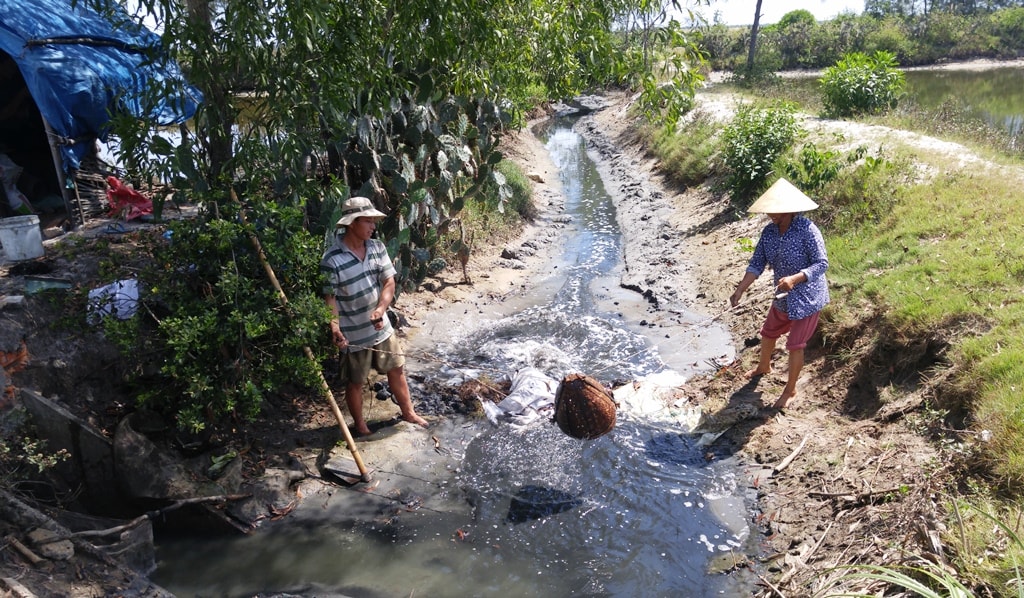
584, 408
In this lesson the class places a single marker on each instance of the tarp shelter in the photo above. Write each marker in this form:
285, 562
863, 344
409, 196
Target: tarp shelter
64, 69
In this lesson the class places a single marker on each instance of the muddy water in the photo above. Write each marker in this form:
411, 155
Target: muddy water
520, 510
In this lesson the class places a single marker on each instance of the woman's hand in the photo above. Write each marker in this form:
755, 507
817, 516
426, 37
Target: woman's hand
734, 299
786, 283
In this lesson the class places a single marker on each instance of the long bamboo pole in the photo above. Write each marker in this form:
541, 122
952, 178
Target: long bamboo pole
324, 387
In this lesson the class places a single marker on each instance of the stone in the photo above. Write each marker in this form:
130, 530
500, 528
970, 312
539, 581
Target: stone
50, 545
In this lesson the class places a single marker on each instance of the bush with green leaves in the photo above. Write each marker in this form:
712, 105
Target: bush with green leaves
862, 84
214, 339
813, 168
23, 456
755, 139
1006, 28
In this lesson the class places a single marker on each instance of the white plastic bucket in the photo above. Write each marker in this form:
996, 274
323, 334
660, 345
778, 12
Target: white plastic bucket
21, 238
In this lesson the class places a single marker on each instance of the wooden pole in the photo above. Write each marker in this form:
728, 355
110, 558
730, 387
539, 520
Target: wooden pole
324, 387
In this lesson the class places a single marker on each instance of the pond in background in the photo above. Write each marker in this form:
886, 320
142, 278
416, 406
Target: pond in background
996, 96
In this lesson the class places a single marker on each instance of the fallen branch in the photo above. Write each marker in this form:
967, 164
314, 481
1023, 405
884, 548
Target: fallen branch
25, 551
775, 591
159, 512
785, 462
859, 499
17, 590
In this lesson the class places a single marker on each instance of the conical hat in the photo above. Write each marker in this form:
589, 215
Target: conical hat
782, 198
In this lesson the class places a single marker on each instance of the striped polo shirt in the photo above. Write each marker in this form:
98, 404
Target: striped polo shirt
356, 286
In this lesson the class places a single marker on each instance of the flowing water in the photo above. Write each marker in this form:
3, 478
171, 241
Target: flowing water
637, 512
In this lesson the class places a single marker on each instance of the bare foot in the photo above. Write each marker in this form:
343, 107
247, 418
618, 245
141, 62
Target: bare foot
415, 419
784, 399
754, 373
363, 430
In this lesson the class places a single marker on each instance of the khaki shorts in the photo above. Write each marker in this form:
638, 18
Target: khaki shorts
383, 357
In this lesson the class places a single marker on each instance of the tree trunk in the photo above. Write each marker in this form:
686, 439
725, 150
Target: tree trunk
218, 113
753, 40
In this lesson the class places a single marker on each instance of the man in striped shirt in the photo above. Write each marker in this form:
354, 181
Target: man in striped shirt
360, 287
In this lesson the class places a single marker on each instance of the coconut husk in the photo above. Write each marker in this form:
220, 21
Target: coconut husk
584, 408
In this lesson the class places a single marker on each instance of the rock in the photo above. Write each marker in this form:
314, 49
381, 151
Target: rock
584, 408
11, 301
50, 545
271, 495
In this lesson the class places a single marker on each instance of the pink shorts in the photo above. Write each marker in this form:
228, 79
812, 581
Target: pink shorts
800, 331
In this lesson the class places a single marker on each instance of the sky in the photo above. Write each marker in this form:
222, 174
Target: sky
741, 12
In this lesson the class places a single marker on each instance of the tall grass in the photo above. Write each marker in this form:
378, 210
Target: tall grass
692, 160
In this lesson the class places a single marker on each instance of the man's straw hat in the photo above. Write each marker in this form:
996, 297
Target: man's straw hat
782, 198
356, 207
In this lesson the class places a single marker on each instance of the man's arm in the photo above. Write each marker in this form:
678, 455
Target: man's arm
336, 336
387, 295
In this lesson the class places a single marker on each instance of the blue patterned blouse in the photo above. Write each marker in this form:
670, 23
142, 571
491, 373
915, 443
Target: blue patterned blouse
801, 249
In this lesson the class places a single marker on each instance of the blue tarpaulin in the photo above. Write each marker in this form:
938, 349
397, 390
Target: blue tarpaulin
80, 68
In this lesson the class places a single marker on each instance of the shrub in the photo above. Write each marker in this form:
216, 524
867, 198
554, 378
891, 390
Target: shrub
814, 167
753, 141
891, 36
218, 341
862, 84
797, 17
23, 456
1007, 26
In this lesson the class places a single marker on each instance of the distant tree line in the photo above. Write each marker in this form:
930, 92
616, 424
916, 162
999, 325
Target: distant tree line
915, 32
910, 8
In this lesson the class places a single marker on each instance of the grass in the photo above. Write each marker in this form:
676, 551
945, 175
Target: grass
689, 163
937, 248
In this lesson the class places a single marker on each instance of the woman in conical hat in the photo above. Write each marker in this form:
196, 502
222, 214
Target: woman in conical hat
794, 248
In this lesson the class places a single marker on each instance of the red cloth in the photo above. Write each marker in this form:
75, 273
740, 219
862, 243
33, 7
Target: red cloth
125, 201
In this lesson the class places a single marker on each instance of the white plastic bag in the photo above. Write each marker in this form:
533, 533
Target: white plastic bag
119, 299
532, 394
